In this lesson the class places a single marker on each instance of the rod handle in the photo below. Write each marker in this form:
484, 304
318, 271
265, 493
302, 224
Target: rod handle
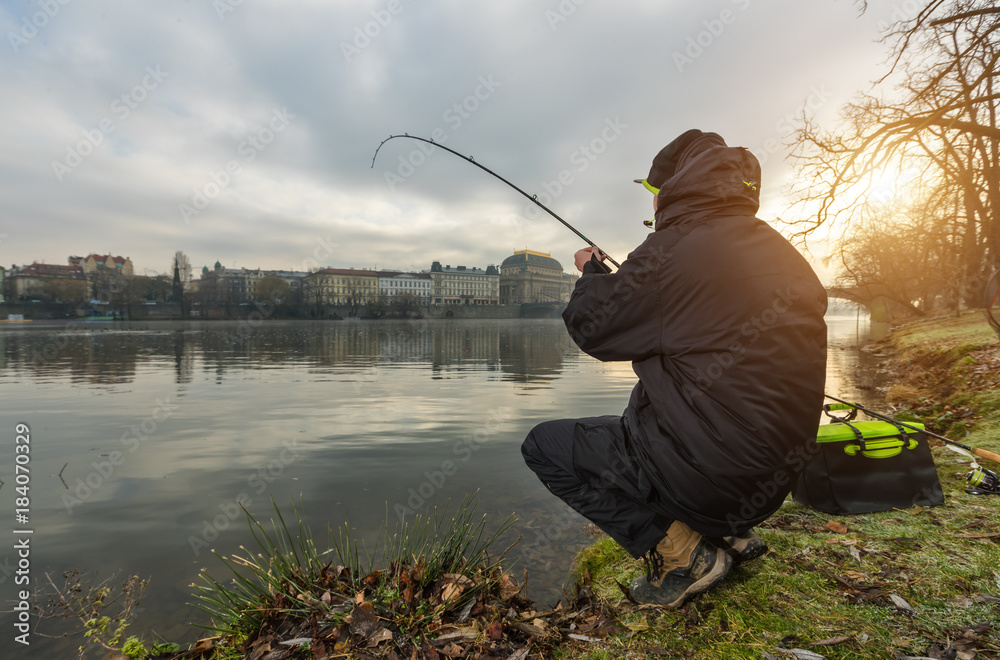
988, 455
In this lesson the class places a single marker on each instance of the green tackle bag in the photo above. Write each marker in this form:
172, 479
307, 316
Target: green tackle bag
867, 466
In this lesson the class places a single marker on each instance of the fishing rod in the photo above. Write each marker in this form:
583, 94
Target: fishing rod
533, 198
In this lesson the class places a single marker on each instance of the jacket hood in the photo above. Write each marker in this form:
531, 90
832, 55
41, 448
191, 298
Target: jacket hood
711, 179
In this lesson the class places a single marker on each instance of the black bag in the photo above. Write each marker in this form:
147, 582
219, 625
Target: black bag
862, 467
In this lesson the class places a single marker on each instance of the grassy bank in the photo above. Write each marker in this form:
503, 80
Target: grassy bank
919, 582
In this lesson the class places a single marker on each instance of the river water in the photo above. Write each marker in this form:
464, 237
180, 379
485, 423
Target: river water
145, 436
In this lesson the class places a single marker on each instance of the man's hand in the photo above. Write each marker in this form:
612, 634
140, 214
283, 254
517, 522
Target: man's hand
583, 256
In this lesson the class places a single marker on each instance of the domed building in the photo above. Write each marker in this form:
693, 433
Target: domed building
533, 277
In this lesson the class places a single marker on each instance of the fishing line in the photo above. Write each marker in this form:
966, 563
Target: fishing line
533, 198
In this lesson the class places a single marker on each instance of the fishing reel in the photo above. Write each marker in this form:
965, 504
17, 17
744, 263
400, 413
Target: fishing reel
982, 482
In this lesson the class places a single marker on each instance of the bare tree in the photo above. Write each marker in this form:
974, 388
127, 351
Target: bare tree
937, 132
274, 289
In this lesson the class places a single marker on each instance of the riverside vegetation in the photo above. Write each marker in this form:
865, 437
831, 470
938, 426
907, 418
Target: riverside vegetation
916, 583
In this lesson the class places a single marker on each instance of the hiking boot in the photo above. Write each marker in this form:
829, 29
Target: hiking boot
682, 565
742, 547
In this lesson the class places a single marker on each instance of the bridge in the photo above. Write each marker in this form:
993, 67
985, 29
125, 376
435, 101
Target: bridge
881, 304
854, 294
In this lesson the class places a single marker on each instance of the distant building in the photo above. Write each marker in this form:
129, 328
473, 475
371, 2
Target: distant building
340, 286
533, 277
394, 286
464, 286
28, 281
230, 285
293, 278
93, 263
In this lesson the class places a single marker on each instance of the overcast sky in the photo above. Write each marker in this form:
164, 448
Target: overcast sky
243, 131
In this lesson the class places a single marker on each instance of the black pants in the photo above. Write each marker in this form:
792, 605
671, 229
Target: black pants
583, 462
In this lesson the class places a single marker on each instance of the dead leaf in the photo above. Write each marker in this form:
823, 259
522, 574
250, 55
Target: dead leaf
456, 577
463, 635
583, 638
836, 527
801, 654
464, 614
519, 654
961, 601
298, 641
451, 591
541, 623
625, 591
277, 655
508, 587
452, 650
529, 629
379, 636
832, 641
902, 604
364, 621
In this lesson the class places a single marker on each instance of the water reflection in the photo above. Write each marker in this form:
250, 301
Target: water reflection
853, 374
525, 351
358, 419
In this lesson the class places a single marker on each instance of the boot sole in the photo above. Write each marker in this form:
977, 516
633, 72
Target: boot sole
749, 553
723, 562
720, 568
751, 550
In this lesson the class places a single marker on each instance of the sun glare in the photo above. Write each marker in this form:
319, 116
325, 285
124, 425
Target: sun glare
888, 184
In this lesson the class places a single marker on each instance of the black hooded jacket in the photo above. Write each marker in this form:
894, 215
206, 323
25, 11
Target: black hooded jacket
723, 322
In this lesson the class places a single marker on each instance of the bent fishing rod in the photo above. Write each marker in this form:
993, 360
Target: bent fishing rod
988, 455
533, 198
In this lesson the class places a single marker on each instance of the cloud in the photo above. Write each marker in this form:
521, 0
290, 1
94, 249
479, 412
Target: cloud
526, 88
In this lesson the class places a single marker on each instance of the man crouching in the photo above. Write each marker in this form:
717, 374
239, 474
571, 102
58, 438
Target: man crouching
722, 319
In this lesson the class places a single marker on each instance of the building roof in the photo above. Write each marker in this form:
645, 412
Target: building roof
436, 267
523, 258
390, 274
106, 259
52, 270
346, 271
